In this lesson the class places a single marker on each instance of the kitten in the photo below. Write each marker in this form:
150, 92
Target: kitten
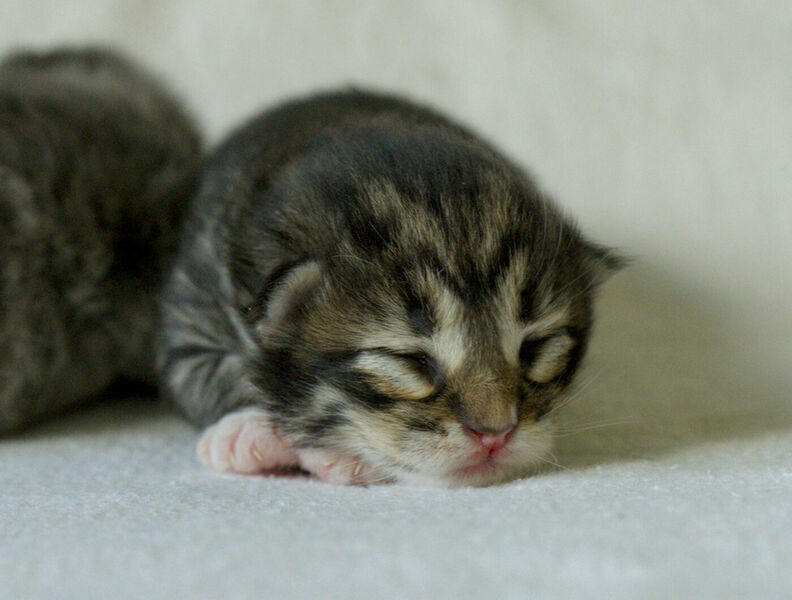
97, 163
368, 291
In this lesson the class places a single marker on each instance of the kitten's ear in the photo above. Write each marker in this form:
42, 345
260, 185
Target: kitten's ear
286, 289
602, 262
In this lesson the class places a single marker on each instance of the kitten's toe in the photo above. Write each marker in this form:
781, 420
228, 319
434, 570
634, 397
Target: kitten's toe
339, 469
245, 442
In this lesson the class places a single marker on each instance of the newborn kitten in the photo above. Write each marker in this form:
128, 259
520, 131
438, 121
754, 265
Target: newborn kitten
368, 291
97, 163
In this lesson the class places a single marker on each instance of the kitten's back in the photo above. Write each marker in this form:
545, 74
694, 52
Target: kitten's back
97, 162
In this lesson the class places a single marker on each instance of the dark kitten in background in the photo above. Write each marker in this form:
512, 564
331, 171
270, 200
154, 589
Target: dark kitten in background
370, 292
97, 162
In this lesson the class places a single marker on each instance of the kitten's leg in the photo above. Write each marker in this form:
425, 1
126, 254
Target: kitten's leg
244, 441
340, 469
203, 364
204, 368
204, 347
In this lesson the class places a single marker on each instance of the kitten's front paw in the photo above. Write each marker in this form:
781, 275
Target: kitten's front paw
340, 469
245, 442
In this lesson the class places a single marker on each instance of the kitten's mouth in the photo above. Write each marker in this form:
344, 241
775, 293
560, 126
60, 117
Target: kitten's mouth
482, 464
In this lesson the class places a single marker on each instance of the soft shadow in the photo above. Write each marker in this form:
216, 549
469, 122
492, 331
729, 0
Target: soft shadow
124, 406
670, 366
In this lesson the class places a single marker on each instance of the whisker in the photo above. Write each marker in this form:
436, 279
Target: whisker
562, 289
355, 258
567, 431
575, 394
554, 463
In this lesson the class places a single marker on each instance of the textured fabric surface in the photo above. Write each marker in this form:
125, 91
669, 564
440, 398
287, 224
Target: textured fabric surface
666, 129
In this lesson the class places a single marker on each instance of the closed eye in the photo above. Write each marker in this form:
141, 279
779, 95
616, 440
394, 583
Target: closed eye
545, 359
422, 364
412, 375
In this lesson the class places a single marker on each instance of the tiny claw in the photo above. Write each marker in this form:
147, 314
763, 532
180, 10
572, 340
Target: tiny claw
358, 469
256, 454
331, 463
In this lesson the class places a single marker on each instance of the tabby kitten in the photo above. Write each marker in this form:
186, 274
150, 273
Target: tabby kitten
97, 163
368, 291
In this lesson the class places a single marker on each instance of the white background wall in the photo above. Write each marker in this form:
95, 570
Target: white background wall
665, 127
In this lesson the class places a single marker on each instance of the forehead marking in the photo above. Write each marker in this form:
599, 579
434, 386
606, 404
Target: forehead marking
449, 339
447, 342
513, 330
450, 347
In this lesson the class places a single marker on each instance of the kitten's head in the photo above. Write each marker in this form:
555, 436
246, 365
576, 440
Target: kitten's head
432, 315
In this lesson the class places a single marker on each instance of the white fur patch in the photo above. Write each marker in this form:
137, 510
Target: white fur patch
450, 347
449, 341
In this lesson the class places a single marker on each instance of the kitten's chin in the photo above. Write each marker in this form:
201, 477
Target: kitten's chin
488, 473
484, 474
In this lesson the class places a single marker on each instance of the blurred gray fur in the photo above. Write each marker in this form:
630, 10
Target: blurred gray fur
97, 162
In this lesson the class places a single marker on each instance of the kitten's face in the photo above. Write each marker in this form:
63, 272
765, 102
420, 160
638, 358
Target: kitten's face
436, 345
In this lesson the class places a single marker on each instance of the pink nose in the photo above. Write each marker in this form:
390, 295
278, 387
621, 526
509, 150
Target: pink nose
491, 442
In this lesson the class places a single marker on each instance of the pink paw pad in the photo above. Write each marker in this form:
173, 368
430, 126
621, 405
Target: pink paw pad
338, 468
245, 442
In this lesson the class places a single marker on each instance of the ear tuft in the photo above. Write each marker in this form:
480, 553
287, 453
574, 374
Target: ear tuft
604, 262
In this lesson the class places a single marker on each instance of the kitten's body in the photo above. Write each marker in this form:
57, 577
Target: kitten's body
96, 165
368, 291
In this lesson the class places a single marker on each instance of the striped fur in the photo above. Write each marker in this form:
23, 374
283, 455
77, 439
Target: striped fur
373, 276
